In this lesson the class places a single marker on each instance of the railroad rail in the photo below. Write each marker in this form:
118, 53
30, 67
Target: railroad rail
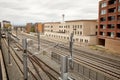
20, 61
107, 66
40, 64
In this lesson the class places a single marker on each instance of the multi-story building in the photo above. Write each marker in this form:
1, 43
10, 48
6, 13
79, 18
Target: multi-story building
84, 31
39, 27
109, 24
28, 27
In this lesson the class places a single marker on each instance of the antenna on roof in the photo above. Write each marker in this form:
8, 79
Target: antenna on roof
63, 16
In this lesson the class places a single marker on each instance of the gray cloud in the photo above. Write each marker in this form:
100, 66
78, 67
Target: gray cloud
22, 11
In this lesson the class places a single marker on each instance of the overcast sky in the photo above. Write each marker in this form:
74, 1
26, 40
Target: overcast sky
23, 11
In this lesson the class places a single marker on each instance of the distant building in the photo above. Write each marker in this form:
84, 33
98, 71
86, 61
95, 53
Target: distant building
85, 31
109, 24
39, 27
28, 27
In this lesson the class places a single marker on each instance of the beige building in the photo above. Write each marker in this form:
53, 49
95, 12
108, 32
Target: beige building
85, 31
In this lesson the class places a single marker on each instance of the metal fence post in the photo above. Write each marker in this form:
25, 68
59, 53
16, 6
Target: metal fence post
24, 43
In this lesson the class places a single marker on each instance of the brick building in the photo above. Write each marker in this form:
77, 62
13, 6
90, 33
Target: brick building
39, 27
28, 27
109, 24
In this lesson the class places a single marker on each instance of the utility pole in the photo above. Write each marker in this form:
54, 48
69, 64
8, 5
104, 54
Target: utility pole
24, 43
71, 51
67, 62
38, 34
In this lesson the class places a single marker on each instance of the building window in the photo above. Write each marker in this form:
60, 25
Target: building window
80, 32
80, 26
102, 33
96, 26
77, 39
111, 18
51, 26
73, 26
68, 38
103, 26
118, 17
68, 26
112, 10
81, 40
111, 26
95, 33
102, 19
118, 35
104, 4
111, 2
103, 12
86, 41
118, 8
118, 26
110, 34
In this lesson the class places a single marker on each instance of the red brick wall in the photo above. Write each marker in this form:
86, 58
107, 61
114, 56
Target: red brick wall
113, 45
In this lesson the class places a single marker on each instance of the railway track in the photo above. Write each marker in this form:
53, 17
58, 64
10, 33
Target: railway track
106, 65
108, 70
19, 60
41, 65
103, 64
